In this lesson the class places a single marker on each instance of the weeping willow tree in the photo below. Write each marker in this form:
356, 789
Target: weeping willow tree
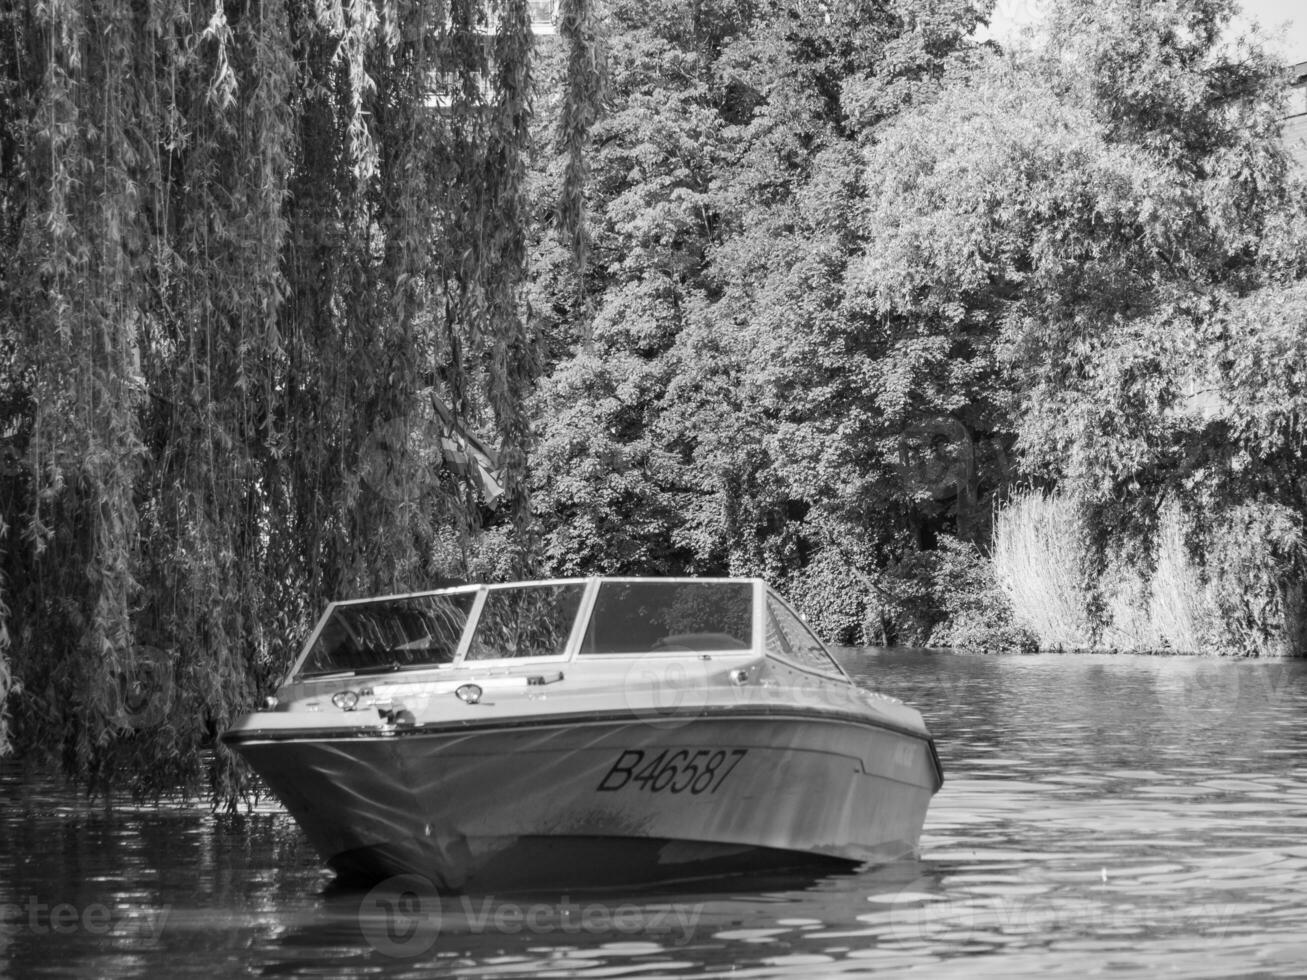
242, 244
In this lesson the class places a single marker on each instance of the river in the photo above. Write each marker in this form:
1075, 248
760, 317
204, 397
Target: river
1130, 816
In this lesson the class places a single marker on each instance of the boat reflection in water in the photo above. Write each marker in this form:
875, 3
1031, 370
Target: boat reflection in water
605, 731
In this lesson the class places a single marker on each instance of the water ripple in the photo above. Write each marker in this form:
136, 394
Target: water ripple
1101, 815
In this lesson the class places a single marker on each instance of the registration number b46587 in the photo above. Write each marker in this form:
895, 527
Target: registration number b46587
692, 771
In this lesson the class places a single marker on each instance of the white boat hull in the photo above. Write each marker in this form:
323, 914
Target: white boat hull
520, 802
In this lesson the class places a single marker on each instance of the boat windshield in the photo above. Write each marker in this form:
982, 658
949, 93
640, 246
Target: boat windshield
789, 638
652, 616
518, 621
526, 621
390, 634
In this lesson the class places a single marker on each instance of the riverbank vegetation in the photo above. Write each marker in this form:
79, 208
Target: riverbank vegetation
1217, 586
954, 344
856, 279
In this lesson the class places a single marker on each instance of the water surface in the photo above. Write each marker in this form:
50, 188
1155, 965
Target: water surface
1101, 815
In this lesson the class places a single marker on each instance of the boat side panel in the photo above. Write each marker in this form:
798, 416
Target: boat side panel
456, 800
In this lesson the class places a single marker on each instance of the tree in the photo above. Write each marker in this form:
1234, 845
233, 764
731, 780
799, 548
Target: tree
725, 181
611, 482
1101, 211
854, 471
240, 248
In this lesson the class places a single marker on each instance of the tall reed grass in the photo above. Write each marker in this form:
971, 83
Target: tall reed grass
1040, 561
1234, 592
1126, 594
1178, 604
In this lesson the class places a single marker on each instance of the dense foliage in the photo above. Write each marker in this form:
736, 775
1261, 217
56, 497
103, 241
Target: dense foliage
733, 406
855, 277
242, 248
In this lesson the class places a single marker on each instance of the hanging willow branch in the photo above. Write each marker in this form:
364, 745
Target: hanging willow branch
586, 80
239, 247
513, 356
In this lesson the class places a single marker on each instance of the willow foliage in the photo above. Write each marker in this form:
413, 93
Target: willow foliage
241, 245
586, 83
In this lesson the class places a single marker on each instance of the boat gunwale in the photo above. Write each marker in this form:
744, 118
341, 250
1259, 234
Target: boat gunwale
710, 713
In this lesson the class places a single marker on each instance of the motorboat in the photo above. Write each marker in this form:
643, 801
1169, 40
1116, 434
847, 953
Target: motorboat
606, 730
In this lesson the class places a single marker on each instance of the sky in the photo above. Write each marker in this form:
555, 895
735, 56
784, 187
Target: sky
1272, 13
1011, 15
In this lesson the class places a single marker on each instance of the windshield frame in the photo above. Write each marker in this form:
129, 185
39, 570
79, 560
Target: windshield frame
757, 590
474, 622
575, 638
296, 676
838, 674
